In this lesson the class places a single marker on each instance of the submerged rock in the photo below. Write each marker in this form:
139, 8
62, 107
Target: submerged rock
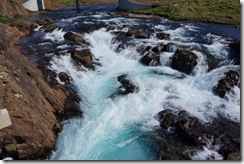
74, 37
126, 85
226, 83
84, 57
184, 61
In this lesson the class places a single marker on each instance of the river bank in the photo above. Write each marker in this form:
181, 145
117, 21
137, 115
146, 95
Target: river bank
36, 107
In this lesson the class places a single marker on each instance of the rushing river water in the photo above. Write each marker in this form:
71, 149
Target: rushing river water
123, 127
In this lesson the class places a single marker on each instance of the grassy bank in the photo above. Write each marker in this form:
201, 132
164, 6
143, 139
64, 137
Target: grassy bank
215, 11
54, 4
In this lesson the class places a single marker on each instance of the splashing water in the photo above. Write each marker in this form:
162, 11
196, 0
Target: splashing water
121, 127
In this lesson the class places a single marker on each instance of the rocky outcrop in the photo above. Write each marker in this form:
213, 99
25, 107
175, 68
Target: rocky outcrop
12, 8
35, 108
192, 133
84, 57
184, 61
24, 25
74, 37
226, 83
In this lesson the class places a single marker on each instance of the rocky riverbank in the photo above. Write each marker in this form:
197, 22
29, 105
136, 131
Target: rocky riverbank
36, 109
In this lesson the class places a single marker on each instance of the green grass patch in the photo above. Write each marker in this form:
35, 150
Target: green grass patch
215, 11
4, 19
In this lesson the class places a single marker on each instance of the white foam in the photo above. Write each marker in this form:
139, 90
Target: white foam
56, 35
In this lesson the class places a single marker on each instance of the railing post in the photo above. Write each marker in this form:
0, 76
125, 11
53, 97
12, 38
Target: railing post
78, 6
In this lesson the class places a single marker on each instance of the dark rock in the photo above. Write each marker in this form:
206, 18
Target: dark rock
133, 31
235, 52
226, 83
64, 77
163, 36
234, 156
121, 47
222, 132
184, 61
74, 37
150, 59
126, 86
72, 107
84, 57
235, 46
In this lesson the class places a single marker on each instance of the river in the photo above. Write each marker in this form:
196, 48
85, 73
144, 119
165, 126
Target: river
122, 127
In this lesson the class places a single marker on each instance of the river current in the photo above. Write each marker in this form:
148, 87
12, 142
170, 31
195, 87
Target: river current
123, 127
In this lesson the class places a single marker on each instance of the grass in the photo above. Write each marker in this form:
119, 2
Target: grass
54, 4
4, 19
215, 11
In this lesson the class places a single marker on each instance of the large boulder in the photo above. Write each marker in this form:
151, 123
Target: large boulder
184, 61
150, 59
74, 37
190, 131
85, 57
226, 83
126, 86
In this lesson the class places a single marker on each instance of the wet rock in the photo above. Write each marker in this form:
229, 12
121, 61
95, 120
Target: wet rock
234, 156
121, 47
150, 59
133, 31
126, 85
226, 83
235, 46
163, 36
222, 132
72, 107
235, 51
24, 25
43, 21
184, 61
74, 37
85, 57
49, 27
64, 77
186, 126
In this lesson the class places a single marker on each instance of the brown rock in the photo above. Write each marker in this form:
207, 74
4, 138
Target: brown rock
24, 25
84, 57
37, 114
43, 21
74, 37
